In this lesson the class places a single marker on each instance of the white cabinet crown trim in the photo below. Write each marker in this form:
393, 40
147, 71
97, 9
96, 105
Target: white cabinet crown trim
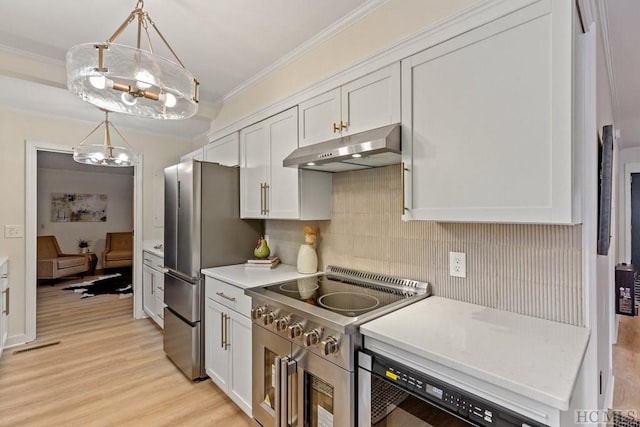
468, 19
335, 28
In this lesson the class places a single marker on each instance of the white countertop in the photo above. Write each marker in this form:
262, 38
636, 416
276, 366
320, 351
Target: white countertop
149, 246
249, 277
536, 358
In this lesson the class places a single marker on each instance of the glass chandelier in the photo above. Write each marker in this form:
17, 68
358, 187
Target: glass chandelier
131, 80
104, 154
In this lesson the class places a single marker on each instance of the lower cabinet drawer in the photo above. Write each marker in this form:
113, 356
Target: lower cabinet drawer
228, 295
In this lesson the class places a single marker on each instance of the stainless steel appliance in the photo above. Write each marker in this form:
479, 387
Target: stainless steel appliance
391, 394
202, 229
305, 335
364, 150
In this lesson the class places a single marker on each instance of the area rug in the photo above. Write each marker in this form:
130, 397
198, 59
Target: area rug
112, 284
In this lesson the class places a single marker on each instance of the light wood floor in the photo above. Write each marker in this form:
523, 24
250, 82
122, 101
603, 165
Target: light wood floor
626, 365
108, 370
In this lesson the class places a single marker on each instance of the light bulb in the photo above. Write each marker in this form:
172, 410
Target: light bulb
100, 82
97, 157
169, 99
311, 164
357, 155
128, 99
144, 80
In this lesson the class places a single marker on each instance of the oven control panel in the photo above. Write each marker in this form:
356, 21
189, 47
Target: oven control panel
463, 404
295, 326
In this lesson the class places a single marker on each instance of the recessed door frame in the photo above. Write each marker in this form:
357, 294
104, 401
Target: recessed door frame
629, 169
31, 232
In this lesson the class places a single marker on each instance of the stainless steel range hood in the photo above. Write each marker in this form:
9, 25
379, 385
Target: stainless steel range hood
364, 150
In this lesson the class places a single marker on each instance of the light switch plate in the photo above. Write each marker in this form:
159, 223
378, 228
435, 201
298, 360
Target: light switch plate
13, 231
457, 264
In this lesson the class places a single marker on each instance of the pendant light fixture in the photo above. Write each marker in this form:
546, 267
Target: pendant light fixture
104, 154
131, 80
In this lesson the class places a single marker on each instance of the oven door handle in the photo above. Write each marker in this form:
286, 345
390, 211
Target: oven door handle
278, 391
285, 391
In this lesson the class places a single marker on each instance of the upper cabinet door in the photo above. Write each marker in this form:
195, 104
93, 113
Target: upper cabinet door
254, 169
487, 124
224, 150
320, 118
283, 196
372, 101
366, 103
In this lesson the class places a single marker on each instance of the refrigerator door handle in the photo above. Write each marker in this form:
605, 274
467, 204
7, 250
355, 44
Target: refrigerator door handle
178, 194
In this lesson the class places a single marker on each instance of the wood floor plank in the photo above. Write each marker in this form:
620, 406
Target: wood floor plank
626, 365
107, 370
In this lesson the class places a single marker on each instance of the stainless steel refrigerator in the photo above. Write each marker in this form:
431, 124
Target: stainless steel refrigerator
202, 229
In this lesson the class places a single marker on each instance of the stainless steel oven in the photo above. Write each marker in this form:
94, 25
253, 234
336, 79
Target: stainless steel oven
294, 387
391, 394
305, 334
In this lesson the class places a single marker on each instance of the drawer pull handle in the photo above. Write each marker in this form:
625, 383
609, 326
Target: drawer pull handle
4, 276
221, 294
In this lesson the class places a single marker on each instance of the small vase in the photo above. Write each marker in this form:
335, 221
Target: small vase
307, 259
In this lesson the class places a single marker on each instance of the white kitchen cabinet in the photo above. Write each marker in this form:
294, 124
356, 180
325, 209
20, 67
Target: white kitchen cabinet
366, 103
269, 190
194, 155
488, 130
4, 302
224, 150
153, 287
228, 341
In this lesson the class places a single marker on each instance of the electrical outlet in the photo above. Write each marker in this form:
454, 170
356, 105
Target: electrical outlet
13, 231
457, 264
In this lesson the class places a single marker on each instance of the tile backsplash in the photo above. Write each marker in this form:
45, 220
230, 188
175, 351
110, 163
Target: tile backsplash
529, 269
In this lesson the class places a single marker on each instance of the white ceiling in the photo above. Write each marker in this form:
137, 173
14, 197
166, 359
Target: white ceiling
622, 21
227, 42
222, 42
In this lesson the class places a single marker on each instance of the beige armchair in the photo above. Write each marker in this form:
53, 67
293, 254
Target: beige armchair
118, 250
52, 263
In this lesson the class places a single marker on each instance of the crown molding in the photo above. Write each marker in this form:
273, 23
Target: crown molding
468, 18
606, 42
329, 32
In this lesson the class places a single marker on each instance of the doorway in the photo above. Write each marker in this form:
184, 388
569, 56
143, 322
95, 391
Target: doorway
635, 220
31, 232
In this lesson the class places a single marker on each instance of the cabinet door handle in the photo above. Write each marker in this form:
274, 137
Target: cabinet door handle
221, 330
7, 301
338, 127
262, 198
4, 276
266, 198
404, 205
221, 294
227, 344
147, 259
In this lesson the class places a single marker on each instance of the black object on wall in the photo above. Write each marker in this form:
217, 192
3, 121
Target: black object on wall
605, 158
625, 295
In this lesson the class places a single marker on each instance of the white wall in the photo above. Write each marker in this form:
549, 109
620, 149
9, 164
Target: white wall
18, 127
118, 189
382, 28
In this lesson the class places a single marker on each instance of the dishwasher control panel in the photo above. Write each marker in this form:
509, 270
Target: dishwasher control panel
476, 410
